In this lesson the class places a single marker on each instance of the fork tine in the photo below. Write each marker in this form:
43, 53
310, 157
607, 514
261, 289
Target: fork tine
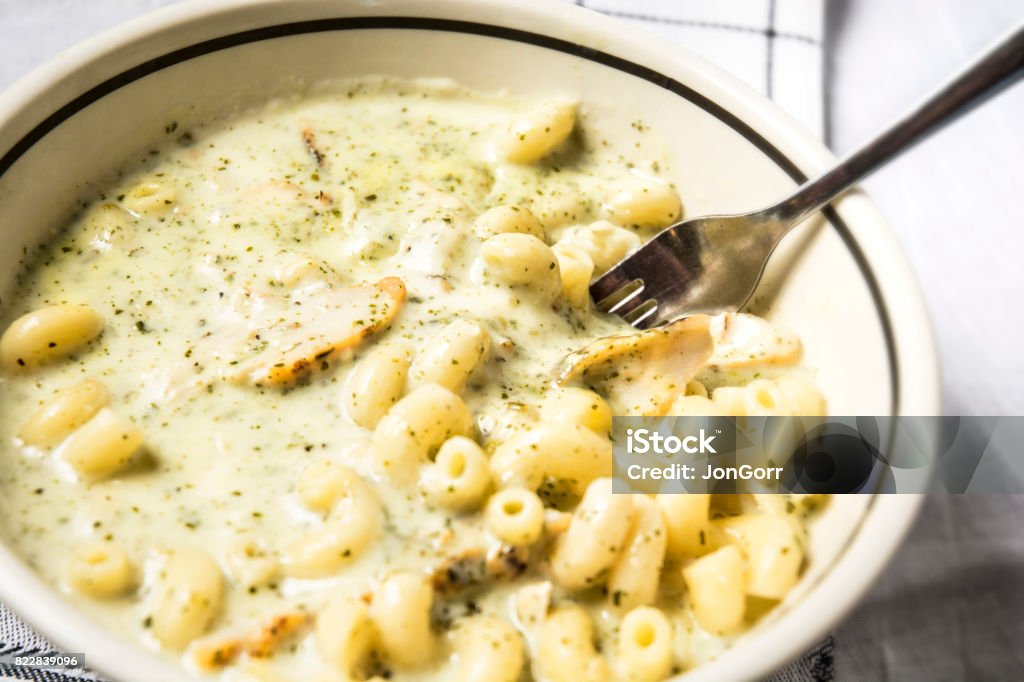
672, 270
621, 295
629, 304
611, 283
643, 314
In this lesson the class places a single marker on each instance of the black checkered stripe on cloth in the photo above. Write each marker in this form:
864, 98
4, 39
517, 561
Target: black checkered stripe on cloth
817, 665
18, 639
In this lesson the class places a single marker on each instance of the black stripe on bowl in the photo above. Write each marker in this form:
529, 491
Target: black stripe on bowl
454, 26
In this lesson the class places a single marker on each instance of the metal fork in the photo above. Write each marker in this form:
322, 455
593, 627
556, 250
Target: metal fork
713, 264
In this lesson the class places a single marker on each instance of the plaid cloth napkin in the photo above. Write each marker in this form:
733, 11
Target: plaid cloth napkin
773, 45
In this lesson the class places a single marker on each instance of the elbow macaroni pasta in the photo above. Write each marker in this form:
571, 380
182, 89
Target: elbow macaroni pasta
515, 516
595, 537
456, 353
488, 650
773, 554
566, 651
687, 524
401, 612
522, 260
634, 576
715, 585
459, 478
323, 483
47, 334
537, 134
101, 569
578, 406
645, 645
186, 598
508, 219
346, 635
765, 397
354, 423
153, 197
376, 384
570, 453
418, 424
349, 527
64, 412
644, 203
102, 446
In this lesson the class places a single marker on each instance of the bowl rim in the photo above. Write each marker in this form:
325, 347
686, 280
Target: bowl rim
914, 371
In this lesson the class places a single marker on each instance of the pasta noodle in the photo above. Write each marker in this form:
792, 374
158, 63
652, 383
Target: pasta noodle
186, 598
634, 576
566, 651
645, 645
595, 537
48, 333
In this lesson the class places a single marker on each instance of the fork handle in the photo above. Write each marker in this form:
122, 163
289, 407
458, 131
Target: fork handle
999, 67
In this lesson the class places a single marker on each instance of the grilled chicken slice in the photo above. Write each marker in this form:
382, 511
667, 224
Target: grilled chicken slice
272, 633
642, 373
263, 640
476, 567
299, 333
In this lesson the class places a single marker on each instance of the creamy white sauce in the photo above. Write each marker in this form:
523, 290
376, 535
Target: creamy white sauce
385, 182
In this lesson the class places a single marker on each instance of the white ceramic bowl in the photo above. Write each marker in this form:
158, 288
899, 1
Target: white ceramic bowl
841, 284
